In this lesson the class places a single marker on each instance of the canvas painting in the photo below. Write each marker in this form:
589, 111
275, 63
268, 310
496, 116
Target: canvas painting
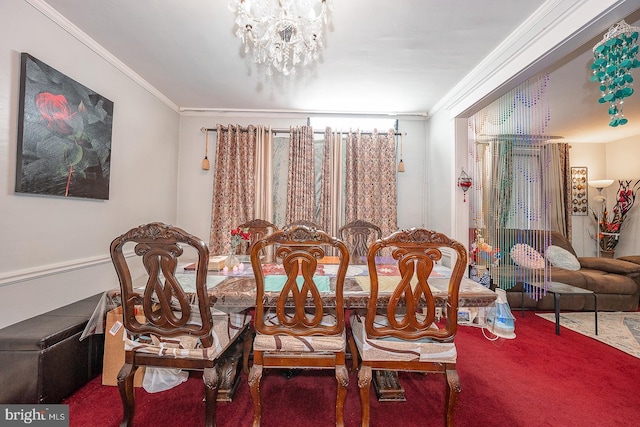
64, 135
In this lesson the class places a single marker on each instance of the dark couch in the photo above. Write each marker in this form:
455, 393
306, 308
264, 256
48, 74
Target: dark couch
616, 282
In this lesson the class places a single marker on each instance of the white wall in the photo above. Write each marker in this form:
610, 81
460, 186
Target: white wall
56, 250
195, 186
439, 164
622, 163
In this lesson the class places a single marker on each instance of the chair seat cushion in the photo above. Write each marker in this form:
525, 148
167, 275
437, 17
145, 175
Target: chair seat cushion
290, 343
300, 344
226, 326
394, 349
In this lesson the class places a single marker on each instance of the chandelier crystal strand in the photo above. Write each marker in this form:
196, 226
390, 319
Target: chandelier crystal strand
283, 34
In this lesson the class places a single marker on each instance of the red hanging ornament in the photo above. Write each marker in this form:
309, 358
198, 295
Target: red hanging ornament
464, 182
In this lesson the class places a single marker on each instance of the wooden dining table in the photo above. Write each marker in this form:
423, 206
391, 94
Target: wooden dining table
235, 290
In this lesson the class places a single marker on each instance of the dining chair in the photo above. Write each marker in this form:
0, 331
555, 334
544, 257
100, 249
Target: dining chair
358, 235
299, 314
410, 335
167, 325
258, 228
304, 222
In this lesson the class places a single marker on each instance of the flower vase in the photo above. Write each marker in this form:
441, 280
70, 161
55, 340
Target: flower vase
607, 253
231, 261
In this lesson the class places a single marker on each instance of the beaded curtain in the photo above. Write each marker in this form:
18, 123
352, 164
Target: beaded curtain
510, 195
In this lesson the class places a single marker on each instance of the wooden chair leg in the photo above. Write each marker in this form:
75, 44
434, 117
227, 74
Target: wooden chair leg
255, 376
125, 385
453, 391
210, 378
246, 349
364, 384
342, 377
354, 352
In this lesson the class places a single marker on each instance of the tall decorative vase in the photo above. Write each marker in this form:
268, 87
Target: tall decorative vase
607, 254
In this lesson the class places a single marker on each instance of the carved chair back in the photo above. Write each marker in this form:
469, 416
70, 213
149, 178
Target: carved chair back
411, 312
358, 235
258, 228
299, 309
168, 310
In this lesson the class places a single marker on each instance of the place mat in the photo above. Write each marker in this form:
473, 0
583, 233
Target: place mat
274, 283
620, 330
352, 270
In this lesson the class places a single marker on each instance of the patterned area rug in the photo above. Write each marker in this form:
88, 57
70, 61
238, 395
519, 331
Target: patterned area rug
618, 329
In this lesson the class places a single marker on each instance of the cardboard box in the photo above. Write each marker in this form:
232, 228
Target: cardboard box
114, 350
216, 263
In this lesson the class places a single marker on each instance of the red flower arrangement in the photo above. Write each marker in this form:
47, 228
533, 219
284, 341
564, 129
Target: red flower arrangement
609, 229
237, 235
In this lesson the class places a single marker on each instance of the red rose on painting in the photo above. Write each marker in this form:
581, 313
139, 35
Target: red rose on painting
56, 111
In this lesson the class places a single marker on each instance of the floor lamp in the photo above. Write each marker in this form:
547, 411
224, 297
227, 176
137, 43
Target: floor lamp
599, 198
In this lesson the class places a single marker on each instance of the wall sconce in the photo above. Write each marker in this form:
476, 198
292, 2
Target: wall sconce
205, 161
464, 182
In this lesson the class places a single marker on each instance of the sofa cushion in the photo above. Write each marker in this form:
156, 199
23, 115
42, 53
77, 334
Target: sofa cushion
570, 277
557, 239
631, 258
610, 265
526, 256
609, 283
559, 257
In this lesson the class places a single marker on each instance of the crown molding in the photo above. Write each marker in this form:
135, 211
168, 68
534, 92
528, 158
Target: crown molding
552, 31
48, 11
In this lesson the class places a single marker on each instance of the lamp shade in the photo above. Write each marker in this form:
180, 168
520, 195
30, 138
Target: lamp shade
601, 183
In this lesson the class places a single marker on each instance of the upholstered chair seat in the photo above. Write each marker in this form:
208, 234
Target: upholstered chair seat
226, 327
391, 348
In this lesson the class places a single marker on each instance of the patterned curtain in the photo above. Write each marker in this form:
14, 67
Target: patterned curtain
300, 185
371, 193
331, 189
560, 184
233, 184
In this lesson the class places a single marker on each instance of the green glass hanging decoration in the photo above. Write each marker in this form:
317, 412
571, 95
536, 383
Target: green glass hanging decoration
613, 59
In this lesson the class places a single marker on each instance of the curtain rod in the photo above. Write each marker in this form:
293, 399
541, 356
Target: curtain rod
483, 136
204, 130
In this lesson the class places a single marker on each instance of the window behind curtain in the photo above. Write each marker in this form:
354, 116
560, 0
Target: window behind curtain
281, 158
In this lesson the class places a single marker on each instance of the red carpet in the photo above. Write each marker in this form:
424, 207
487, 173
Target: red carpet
538, 379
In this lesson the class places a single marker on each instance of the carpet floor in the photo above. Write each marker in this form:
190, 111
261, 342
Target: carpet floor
618, 329
537, 379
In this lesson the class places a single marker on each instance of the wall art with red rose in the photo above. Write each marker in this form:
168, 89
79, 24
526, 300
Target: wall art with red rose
64, 135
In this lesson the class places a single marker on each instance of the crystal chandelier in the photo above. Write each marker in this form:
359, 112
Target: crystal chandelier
283, 33
613, 59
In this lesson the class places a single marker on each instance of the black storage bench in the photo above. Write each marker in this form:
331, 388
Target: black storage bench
42, 359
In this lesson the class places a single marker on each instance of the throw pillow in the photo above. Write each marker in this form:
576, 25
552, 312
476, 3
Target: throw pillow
560, 257
526, 256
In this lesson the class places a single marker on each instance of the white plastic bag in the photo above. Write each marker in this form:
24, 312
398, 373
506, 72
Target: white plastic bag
161, 379
500, 320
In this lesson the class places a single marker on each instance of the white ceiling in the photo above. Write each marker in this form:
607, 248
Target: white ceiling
379, 57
